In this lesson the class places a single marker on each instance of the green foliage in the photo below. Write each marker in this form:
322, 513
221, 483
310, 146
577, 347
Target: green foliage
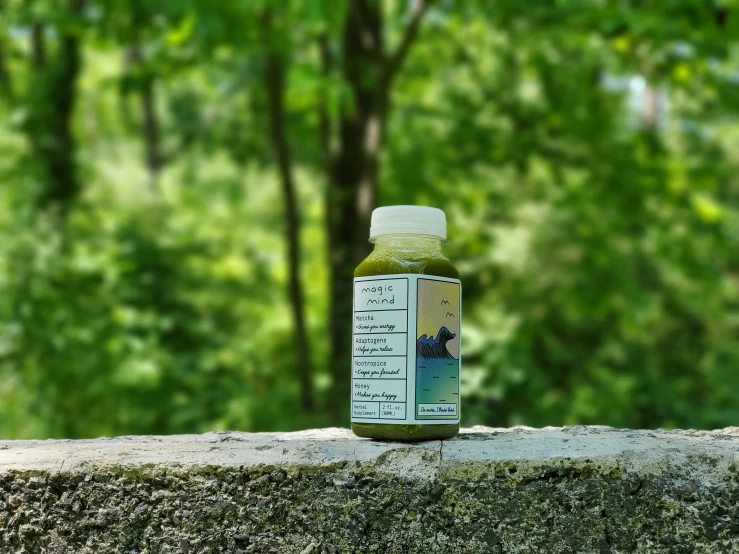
598, 240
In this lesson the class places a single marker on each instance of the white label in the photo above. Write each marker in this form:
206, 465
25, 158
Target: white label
406, 349
378, 390
381, 321
388, 344
437, 409
379, 368
380, 294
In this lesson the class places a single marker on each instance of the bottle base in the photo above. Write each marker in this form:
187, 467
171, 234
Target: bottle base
405, 433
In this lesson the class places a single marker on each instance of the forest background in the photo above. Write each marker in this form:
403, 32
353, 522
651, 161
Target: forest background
185, 189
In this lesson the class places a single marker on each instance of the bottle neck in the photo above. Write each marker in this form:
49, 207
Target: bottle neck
408, 243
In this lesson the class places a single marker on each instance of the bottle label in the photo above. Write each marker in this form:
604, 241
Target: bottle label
406, 349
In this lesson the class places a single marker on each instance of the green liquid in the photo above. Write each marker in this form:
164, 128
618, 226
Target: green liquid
389, 260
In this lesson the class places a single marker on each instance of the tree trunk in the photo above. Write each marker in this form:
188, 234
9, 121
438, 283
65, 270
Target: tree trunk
38, 45
324, 118
354, 171
154, 159
275, 80
6, 87
50, 129
149, 119
352, 187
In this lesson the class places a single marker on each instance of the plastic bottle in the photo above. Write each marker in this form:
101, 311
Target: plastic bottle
406, 339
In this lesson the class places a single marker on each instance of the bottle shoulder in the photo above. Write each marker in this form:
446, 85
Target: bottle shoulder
398, 262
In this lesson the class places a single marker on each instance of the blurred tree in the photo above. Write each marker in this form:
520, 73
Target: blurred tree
133, 24
6, 87
597, 235
574, 289
368, 70
274, 76
150, 121
51, 98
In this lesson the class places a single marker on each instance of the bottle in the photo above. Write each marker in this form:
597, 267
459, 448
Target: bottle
406, 330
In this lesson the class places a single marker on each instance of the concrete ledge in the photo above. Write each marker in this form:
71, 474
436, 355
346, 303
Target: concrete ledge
575, 489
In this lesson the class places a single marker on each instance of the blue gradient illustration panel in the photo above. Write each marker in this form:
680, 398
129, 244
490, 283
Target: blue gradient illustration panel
437, 350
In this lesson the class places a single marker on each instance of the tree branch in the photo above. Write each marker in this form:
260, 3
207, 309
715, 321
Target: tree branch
395, 61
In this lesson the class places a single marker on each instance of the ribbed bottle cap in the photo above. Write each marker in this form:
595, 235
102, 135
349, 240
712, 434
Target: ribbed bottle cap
417, 220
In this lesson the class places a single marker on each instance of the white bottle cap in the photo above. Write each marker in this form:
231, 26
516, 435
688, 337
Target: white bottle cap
416, 220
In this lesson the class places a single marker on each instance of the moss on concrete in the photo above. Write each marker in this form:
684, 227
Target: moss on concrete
287, 509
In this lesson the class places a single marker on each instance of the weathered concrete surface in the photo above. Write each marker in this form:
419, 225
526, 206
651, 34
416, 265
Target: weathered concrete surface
576, 489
